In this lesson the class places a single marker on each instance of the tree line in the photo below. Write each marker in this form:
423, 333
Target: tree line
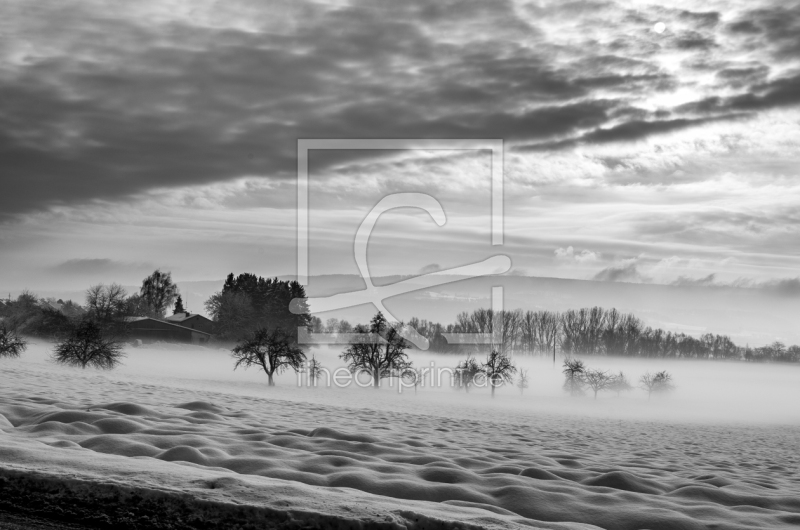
248, 308
88, 335
106, 306
248, 303
584, 332
578, 378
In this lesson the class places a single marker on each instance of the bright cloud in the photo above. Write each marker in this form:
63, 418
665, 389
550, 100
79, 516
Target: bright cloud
582, 256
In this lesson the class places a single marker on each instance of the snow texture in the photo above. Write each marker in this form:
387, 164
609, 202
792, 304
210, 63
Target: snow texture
122, 451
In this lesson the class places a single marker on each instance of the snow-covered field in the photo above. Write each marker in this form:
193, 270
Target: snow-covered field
176, 435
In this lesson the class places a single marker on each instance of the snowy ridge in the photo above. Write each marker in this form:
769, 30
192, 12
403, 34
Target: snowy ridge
194, 458
114, 491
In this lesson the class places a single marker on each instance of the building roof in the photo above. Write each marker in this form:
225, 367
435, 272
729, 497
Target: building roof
140, 319
62, 307
180, 317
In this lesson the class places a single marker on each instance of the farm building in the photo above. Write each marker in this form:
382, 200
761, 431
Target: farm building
150, 330
192, 321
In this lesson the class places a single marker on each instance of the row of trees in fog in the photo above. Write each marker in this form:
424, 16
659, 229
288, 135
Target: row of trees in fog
105, 305
249, 308
579, 378
587, 331
378, 350
248, 303
88, 335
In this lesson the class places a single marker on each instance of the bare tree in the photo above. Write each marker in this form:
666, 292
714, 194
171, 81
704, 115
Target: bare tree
465, 373
316, 325
573, 373
11, 345
378, 350
136, 306
159, 292
106, 302
498, 369
416, 376
522, 381
271, 350
85, 346
527, 331
547, 332
597, 380
658, 382
506, 329
314, 370
619, 383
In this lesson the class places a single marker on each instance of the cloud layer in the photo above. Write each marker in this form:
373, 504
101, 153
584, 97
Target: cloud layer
102, 104
171, 128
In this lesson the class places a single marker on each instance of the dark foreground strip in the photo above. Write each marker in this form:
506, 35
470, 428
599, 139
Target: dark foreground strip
17, 521
74, 503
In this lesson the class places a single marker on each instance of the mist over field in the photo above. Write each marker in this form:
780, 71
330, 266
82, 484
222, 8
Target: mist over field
184, 429
706, 391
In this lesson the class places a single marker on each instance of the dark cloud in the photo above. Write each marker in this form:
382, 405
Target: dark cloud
744, 26
704, 18
783, 287
780, 25
628, 82
99, 266
685, 281
788, 286
433, 267
637, 129
780, 92
117, 106
179, 105
743, 77
632, 130
744, 73
694, 41
623, 272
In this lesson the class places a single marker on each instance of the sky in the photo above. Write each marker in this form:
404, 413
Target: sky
643, 143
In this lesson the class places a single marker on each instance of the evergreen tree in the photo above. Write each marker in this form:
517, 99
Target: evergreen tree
178, 306
274, 303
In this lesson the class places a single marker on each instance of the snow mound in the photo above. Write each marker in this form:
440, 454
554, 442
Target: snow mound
409, 470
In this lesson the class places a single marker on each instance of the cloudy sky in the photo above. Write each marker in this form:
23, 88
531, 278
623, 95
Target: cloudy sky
643, 143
